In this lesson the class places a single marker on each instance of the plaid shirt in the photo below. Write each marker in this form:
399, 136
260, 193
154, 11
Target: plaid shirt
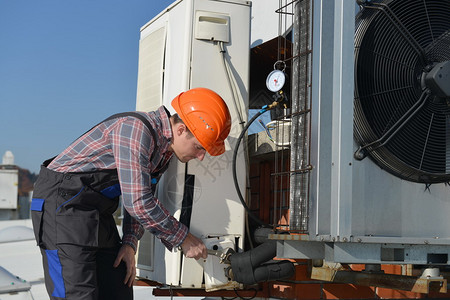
126, 145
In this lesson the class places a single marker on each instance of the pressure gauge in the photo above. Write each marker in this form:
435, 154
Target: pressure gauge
275, 80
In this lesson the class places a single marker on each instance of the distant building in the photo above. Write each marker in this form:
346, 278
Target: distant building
10, 208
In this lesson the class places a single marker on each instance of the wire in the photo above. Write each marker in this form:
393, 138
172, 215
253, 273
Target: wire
236, 148
232, 84
236, 184
274, 125
241, 297
239, 110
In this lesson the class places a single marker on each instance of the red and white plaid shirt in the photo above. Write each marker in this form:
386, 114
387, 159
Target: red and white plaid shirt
126, 145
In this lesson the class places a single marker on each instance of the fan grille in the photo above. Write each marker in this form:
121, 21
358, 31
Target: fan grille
399, 120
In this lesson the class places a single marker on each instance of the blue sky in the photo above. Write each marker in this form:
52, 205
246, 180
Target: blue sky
64, 66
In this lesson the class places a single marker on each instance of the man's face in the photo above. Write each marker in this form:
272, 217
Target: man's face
185, 146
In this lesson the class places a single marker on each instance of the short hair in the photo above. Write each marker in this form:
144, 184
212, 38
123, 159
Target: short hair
177, 120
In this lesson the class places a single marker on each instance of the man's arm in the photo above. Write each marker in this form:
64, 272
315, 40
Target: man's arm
133, 146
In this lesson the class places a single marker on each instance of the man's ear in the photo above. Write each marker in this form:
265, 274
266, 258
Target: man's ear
180, 129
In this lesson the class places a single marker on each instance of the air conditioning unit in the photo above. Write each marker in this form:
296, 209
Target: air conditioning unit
371, 183
197, 43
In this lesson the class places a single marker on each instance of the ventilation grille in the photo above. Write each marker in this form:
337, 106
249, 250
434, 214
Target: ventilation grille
401, 114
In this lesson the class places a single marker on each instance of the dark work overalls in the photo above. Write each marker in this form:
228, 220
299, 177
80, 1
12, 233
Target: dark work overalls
77, 235
73, 222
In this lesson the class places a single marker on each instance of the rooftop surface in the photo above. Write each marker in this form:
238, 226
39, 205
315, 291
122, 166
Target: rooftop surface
21, 257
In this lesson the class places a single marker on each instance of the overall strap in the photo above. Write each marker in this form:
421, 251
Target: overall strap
129, 114
135, 115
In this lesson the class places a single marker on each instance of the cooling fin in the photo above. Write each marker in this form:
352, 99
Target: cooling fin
402, 87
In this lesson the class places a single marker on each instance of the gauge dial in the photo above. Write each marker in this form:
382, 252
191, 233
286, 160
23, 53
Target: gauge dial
275, 80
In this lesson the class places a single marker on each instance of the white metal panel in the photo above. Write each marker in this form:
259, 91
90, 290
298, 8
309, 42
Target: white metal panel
192, 63
214, 173
178, 52
9, 181
151, 70
332, 119
217, 209
146, 256
342, 119
165, 265
264, 21
177, 21
391, 207
321, 113
155, 261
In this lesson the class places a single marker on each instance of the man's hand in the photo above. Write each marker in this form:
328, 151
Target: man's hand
193, 247
126, 254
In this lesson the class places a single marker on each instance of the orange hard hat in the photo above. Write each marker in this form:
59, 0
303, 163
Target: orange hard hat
206, 115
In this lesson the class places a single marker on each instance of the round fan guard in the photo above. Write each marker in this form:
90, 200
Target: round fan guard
402, 83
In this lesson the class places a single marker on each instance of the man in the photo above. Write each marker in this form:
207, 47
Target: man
77, 192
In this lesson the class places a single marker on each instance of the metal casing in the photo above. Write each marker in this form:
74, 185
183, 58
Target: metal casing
358, 213
173, 60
